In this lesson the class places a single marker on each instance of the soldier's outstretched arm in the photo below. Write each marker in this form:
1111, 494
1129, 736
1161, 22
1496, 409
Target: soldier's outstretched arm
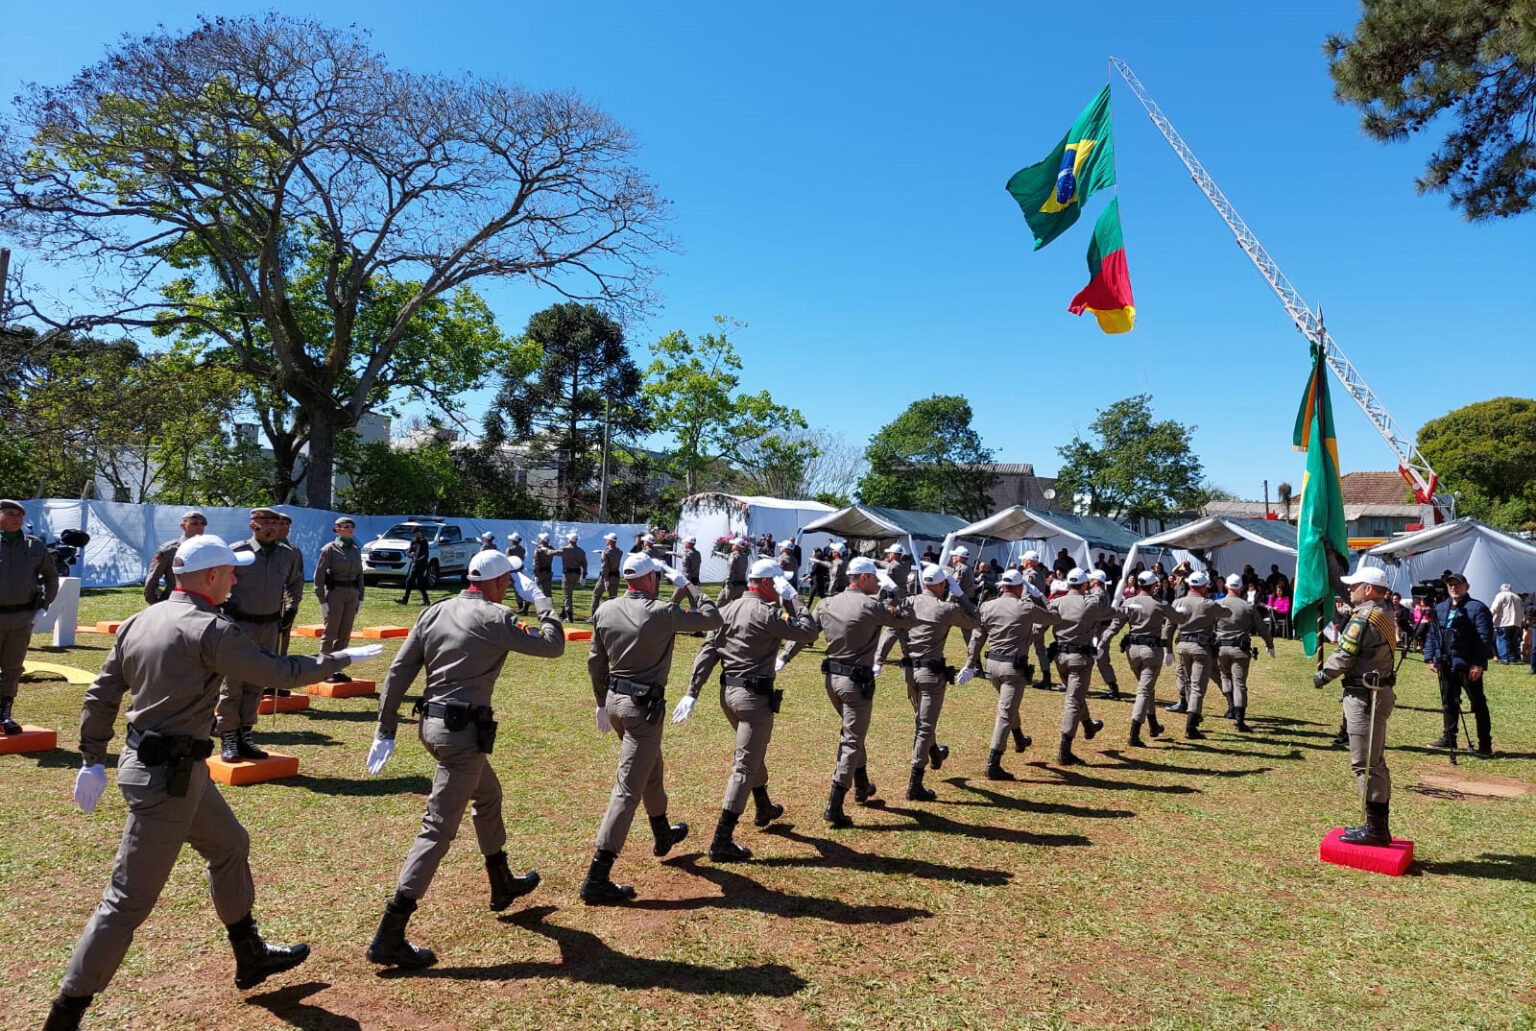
547, 642
228, 650
706, 616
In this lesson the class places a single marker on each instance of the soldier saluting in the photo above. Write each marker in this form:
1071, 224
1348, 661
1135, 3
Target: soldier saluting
609, 563
1009, 621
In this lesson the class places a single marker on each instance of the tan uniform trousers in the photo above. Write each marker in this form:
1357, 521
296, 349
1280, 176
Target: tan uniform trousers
854, 707
1106, 666
568, 600
605, 587
1233, 663
639, 779
751, 716
546, 582
15, 636
1009, 681
1074, 671
1042, 662
158, 825
339, 612
1196, 664
1364, 740
925, 690
729, 592
1146, 664
463, 776
237, 699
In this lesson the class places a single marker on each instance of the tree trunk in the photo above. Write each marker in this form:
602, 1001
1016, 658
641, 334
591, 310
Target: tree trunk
322, 458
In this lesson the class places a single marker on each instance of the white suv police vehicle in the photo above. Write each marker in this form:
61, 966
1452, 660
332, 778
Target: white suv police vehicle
388, 555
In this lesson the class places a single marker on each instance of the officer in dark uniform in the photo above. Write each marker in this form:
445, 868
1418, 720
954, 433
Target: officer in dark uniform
515, 549
1457, 649
160, 580
28, 584
419, 559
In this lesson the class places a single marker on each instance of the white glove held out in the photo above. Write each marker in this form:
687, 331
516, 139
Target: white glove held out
362, 651
779, 664
786, 589
1168, 658
542, 605
874, 670
684, 709
604, 725
379, 753
964, 676
90, 782
527, 589
954, 587
1270, 650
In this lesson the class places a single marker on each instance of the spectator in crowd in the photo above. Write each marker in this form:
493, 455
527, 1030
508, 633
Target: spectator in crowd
1508, 620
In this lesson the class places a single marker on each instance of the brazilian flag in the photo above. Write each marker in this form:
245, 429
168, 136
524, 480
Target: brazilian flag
1052, 192
1322, 545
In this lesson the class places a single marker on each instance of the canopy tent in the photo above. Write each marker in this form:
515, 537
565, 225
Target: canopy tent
1048, 532
712, 515
1485, 556
915, 530
1226, 542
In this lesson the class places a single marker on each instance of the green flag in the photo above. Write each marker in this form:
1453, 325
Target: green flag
1051, 193
1322, 546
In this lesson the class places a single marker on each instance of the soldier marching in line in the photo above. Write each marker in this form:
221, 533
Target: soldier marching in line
1080, 615
29, 583
744, 648
169, 659
516, 550
544, 566
789, 561
964, 574
1196, 649
573, 574
160, 580
693, 560
631, 658
1098, 583
339, 589
610, 560
1037, 585
1148, 646
736, 572
488, 541
462, 643
1236, 624
1010, 622
899, 568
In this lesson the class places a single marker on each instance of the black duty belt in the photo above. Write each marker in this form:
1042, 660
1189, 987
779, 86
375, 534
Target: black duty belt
245, 617
157, 749
635, 689
457, 712
930, 665
1206, 641
1357, 684
1149, 640
1076, 649
1004, 656
333, 582
757, 685
1243, 641
24, 607
858, 674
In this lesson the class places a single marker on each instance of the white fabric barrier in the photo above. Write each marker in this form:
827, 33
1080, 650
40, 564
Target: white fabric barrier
712, 516
124, 537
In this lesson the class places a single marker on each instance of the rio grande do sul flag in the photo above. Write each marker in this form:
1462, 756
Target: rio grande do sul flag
1322, 545
1051, 193
1108, 293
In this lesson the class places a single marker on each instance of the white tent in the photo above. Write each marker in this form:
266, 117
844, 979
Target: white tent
712, 516
1485, 556
1084, 537
1228, 543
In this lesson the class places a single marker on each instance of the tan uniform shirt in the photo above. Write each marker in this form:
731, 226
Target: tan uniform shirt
613, 561
1079, 615
925, 640
1010, 624
160, 580
693, 562
271, 585
573, 562
24, 566
901, 572
736, 570
1144, 614
543, 560
1367, 646
1198, 613
852, 620
632, 639
1237, 619
748, 639
339, 563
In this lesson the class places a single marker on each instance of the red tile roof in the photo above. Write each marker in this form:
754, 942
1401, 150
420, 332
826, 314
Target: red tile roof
1373, 488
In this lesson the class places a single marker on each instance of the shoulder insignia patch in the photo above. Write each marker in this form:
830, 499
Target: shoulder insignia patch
1350, 642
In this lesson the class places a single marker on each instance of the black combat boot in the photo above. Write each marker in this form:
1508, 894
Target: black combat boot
863, 787
1064, 756
1375, 831
66, 1011
229, 746
506, 885
1092, 727
255, 960
995, 769
1153, 727
724, 849
915, 790
389, 946
7, 724
834, 812
1192, 727
937, 754
767, 809
1242, 725
598, 889
1114, 692
1485, 746
1021, 740
1178, 706
667, 834
1135, 740
1231, 709
1342, 737
246, 745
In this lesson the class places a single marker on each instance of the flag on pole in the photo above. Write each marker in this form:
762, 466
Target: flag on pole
1052, 192
1108, 293
1322, 546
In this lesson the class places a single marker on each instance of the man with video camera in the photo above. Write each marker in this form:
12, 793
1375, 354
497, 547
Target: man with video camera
1457, 648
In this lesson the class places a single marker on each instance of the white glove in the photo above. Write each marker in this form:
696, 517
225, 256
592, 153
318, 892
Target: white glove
542, 605
90, 782
527, 589
604, 725
954, 586
779, 664
1269, 649
1168, 658
379, 753
874, 670
886, 583
684, 709
37, 617
678, 578
361, 651
786, 589
964, 676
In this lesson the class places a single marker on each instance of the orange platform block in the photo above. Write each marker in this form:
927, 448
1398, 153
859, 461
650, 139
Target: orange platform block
309, 630
348, 689
252, 771
282, 703
88, 628
1392, 860
31, 739
572, 634
377, 632
108, 626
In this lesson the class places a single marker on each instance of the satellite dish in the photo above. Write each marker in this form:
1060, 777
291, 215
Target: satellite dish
1049, 494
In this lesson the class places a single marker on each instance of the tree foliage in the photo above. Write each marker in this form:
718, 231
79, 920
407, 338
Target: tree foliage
1486, 454
1470, 64
1137, 468
926, 461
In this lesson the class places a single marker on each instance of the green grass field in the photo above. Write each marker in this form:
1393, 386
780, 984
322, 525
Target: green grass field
1175, 886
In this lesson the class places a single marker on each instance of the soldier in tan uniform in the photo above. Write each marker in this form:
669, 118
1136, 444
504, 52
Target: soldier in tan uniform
28, 584
693, 560
169, 659
573, 574
744, 648
263, 594
339, 588
1079, 615
852, 622
160, 580
1148, 647
1098, 583
1036, 585
1364, 658
736, 572
462, 643
544, 566
631, 658
1009, 622
1196, 648
899, 568
608, 579
515, 549
290, 605
1236, 624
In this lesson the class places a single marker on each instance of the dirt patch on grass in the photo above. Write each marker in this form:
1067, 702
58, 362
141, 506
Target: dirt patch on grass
1484, 786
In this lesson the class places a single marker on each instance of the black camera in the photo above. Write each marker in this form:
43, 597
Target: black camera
67, 549
1432, 591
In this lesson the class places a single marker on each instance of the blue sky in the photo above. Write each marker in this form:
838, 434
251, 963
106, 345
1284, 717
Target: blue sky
837, 176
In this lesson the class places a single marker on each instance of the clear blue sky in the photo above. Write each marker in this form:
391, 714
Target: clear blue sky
837, 173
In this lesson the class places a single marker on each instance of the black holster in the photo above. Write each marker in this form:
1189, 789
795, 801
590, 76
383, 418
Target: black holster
178, 753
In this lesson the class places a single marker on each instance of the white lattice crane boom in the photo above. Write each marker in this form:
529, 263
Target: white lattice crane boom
1410, 463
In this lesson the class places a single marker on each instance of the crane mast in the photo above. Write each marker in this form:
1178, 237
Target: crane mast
1411, 465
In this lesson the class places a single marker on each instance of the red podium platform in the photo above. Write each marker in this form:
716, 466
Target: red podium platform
377, 632
31, 739
1392, 860
282, 703
572, 634
348, 689
253, 771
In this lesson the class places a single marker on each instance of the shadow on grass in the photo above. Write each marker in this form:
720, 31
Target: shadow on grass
1126, 762
298, 737
287, 1004
587, 959
930, 822
361, 787
57, 759
1069, 776
351, 715
835, 855
998, 800
742, 892
1488, 866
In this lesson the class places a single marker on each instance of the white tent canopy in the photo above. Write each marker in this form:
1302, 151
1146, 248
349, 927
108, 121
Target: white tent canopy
1084, 537
711, 516
1485, 556
871, 525
1228, 542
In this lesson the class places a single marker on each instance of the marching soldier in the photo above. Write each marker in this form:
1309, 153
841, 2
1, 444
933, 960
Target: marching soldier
1009, 621
339, 589
1148, 647
1364, 659
160, 581
744, 648
544, 566
735, 572
488, 541
631, 658
608, 579
168, 659
270, 586
515, 550
1196, 648
789, 561
1236, 624
693, 559
1036, 586
28, 584
899, 568
1098, 581
1079, 615
462, 643
573, 574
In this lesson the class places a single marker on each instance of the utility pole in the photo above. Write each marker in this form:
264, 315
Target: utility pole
1266, 499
